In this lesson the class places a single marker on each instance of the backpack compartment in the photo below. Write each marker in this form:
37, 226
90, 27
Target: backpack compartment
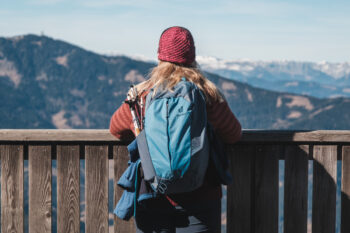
179, 132
176, 140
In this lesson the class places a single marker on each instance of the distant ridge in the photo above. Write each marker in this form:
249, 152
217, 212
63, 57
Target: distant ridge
48, 83
318, 79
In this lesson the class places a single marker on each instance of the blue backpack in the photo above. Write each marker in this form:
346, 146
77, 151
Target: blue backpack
174, 147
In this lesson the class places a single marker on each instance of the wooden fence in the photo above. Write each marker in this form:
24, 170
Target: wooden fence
252, 199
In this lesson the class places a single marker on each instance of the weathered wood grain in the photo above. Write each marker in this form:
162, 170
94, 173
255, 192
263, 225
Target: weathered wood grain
11, 188
266, 188
324, 189
96, 185
40, 189
239, 197
319, 136
295, 188
120, 156
68, 191
89, 135
261, 195
345, 191
92, 135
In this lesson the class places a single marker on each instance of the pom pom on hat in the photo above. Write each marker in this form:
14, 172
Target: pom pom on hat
176, 45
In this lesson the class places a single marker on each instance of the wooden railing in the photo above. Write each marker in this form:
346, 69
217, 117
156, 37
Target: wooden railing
252, 199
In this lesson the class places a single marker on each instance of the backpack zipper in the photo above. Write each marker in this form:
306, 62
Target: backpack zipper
168, 134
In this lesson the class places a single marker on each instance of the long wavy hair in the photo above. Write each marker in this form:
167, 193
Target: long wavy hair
168, 74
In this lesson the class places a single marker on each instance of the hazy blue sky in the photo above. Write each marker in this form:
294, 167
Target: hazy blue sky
260, 30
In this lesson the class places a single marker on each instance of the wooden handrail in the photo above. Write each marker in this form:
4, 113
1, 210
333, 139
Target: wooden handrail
315, 136
252, 198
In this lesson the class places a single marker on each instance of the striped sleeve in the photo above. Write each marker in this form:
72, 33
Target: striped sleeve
224, 122
121, 123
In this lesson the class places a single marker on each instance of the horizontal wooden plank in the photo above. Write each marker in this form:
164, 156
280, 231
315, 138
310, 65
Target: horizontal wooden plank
316, 136
70, 135
103, 135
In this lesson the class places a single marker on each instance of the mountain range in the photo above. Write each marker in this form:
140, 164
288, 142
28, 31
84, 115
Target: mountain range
48, 83
322, 79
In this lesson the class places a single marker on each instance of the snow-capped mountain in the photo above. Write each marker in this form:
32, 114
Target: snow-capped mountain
322, 79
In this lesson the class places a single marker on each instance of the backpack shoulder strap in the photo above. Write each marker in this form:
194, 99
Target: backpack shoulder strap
149, 98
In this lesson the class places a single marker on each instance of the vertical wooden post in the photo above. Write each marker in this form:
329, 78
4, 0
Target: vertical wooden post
324, 189
11, 188
239, 192
40, 189
295, 188
120, 156
345, 191
266, 188
68, 191
96, 189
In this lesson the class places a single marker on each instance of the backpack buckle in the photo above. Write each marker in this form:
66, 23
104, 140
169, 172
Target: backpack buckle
162, 187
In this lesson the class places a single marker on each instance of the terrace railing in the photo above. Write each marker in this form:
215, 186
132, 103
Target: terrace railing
252, 199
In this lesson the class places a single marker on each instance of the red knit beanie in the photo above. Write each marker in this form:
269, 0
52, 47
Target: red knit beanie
176, 45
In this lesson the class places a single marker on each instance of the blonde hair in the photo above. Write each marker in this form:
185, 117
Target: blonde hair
167, 75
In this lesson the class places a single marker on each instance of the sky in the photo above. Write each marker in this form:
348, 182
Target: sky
301, 30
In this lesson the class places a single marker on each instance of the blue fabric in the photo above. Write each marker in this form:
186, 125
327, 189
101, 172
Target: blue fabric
175, 131
133, 151
157, 137
179, 135
126, 206
146, 196
188, 149
127, 179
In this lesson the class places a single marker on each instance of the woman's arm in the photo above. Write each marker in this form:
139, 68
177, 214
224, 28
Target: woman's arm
121, 125
224, 122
